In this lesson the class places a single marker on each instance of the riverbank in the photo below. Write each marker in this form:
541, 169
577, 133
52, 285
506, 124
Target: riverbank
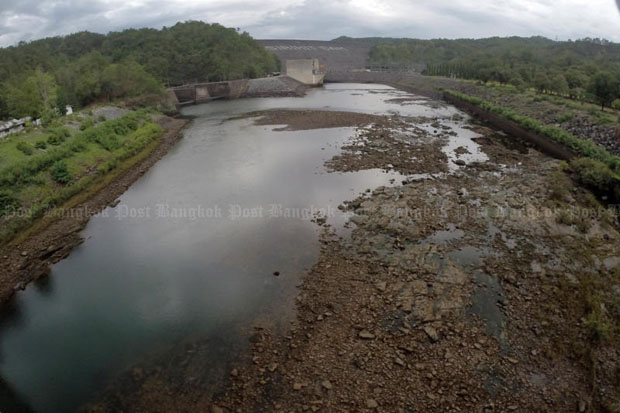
29, 256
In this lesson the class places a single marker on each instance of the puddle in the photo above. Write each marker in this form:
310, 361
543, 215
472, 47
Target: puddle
467, 256
445, 236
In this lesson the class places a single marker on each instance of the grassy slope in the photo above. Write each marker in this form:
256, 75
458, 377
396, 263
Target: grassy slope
89, 163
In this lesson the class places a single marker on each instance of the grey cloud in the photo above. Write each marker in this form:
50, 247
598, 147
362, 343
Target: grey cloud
317, 19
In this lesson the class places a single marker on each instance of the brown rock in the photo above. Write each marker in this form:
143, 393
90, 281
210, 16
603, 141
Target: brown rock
431, 333
372, 404
366, 335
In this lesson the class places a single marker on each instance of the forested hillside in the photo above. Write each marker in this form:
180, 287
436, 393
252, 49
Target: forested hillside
582, 69
85, 67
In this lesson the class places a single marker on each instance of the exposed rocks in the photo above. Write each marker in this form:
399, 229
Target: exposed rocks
436, 304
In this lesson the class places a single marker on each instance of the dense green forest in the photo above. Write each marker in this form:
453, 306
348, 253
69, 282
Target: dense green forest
85, 67
583, 69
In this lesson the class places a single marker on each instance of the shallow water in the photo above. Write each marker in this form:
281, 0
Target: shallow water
190, 251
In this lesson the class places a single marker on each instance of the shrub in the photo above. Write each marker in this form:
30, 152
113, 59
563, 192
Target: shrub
560, 186
101, 118
40, 145
565, 117
593, 173
86, 123
58, 135
60, 173
616, 104
54, 140
25, 148
7, 203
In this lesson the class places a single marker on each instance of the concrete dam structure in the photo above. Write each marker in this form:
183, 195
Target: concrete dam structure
336, 57
307, 71
306, 63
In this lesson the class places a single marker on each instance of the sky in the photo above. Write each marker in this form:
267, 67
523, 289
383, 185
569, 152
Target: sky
319, 19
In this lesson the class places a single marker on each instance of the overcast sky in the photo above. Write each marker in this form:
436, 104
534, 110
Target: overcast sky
319, 19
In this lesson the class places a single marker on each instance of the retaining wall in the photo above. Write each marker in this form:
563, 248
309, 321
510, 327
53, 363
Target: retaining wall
543, 143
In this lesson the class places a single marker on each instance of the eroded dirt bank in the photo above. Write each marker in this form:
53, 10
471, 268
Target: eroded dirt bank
472, 285
31, 258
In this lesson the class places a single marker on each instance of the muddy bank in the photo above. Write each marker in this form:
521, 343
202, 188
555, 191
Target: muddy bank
312, 119
31, 258
376, 140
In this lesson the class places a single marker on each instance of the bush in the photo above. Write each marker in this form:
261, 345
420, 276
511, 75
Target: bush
60, 173
58, 135
86, 123
7, 203
101, 118
593, 173
565, 117
616, 104
25, 148
560, 186
40, 145
54, 140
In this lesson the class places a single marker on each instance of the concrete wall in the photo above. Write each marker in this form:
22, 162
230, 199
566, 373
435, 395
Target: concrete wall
307, 71
234, 89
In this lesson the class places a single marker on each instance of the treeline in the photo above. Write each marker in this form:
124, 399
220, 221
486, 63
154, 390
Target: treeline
587, 69
81, 68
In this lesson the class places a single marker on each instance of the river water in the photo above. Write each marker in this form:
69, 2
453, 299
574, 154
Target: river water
190, 252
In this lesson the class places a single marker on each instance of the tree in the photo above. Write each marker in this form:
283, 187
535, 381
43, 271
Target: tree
604, 86
558, 84
541, 82
128, 79
33, 96
89, 77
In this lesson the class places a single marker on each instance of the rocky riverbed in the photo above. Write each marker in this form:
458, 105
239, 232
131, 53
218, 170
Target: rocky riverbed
459, 291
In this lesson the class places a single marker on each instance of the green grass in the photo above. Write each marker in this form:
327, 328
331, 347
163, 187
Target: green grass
49, 177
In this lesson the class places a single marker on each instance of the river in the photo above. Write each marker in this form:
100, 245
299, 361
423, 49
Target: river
189, 254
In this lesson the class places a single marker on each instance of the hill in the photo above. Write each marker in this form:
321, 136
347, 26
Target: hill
84, 67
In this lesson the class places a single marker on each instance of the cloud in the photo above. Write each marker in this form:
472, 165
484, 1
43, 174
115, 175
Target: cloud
319, 19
